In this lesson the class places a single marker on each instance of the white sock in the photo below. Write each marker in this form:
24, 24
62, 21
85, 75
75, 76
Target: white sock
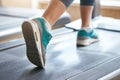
88, 28
48, 26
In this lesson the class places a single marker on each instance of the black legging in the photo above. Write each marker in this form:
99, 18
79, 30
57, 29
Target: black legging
82, 2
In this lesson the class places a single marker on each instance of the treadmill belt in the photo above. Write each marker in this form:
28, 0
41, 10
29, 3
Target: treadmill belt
19, 12
110, 24
64, 60
109, 27
9, 23
13, 17
99, 71
56, 33
104, 23
11, 44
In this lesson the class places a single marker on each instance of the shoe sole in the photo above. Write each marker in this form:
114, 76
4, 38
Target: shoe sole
86, 42
33, 43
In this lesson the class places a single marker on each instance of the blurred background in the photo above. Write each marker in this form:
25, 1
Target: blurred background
110, 8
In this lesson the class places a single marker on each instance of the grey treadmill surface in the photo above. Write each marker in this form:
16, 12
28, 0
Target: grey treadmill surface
100, 22
24, 13
64, 59
13, 17
20, 41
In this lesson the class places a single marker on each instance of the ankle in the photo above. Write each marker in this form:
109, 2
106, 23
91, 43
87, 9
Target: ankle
87, 28
48, 26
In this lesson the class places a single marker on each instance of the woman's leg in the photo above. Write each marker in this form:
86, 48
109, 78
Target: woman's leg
55, 10
36, 33
86, 8
86, 35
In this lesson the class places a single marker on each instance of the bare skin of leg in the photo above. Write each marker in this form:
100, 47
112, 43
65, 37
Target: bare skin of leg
56, 8
86, 14
54, 11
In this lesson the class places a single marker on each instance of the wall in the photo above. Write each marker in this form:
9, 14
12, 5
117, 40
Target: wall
17, 3
106, 9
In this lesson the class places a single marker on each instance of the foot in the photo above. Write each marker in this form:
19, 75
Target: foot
37, 38
85, 38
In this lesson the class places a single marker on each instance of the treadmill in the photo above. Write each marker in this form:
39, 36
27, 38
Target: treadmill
64, 60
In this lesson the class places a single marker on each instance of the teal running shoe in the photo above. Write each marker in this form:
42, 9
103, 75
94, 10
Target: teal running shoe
36, 38
85, 38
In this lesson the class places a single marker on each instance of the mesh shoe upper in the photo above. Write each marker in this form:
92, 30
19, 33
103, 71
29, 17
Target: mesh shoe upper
91, 34
46, 36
